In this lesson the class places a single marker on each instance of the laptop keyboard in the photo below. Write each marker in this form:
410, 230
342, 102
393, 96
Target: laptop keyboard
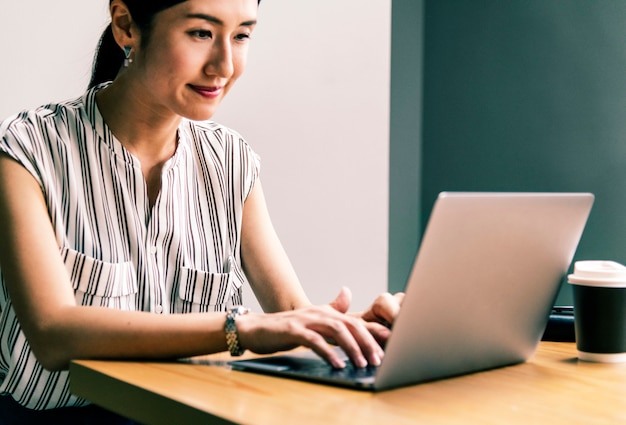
325, 370
309, 366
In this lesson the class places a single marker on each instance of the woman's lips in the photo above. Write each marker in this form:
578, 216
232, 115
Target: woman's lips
208, 92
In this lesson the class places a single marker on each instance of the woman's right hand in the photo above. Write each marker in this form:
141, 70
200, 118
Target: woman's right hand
315, 327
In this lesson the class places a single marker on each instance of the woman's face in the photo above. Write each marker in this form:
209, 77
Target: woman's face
196, 51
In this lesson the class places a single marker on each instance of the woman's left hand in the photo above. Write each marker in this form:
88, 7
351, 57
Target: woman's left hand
379, 317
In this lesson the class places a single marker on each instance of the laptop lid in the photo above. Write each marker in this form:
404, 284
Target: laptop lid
480, 291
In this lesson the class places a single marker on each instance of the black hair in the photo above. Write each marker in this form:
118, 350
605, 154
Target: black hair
109, 56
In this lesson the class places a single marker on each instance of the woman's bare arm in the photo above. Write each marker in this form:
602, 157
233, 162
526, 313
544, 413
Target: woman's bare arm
265, 261
42, 295
59, 330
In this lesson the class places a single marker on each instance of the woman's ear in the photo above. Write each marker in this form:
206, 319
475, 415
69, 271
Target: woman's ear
124, 31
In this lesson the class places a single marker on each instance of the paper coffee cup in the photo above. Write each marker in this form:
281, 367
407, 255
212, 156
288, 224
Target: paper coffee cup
599, 289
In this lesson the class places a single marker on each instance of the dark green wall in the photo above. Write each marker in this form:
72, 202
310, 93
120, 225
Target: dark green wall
524, 96
405, 180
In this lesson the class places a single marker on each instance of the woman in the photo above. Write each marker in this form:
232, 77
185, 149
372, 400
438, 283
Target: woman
126, 205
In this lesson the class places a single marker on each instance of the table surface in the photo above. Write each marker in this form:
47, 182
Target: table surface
552, 387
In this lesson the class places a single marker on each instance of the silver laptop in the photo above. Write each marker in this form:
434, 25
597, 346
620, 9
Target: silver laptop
479, 294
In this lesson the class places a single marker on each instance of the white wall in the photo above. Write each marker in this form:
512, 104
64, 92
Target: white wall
47, 50
314, 103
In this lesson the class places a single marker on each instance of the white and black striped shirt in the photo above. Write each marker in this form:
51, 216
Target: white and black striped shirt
179, 256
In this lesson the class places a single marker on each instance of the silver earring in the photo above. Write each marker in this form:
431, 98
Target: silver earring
128, 50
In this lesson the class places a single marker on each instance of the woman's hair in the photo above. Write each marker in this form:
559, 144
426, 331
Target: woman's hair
109, 56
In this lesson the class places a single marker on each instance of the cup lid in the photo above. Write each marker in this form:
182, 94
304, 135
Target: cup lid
598, 273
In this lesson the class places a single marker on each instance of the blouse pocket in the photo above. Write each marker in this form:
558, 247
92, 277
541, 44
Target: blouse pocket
99, 283
200, 291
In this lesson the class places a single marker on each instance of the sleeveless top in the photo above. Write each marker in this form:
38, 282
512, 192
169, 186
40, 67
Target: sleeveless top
182, 255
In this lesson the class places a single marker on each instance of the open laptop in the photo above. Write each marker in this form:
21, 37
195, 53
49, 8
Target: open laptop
478, 297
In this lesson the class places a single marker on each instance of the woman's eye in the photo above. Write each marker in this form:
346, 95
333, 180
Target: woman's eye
242, 37
202, 34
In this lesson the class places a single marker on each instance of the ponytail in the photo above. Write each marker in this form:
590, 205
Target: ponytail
108, 61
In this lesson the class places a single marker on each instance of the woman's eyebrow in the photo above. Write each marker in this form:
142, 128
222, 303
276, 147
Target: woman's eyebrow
217, 21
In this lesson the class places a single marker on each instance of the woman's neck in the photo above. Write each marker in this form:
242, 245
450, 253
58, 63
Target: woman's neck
148, 135
134, 122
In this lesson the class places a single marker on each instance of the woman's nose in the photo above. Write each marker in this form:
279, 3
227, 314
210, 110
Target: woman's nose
221, 59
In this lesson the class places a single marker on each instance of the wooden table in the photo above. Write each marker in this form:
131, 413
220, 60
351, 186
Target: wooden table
553, 388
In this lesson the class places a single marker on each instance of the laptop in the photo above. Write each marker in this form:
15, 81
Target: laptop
479, 295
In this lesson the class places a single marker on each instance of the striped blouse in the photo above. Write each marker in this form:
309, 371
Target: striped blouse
182, 255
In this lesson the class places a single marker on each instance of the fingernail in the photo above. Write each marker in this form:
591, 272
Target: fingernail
339, 364
376, 361
362, 362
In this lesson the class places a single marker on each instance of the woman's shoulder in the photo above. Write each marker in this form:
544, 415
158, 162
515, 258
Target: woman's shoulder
215, 134
215, 139
41, 135
42, 116
212, 128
